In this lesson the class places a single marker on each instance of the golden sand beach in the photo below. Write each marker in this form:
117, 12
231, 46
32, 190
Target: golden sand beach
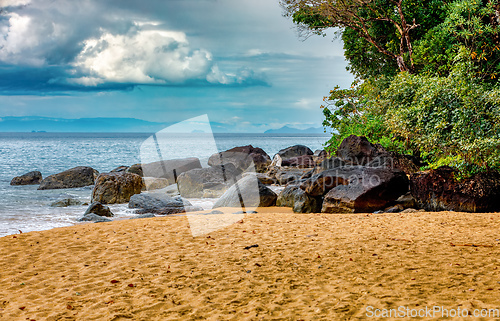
305, 267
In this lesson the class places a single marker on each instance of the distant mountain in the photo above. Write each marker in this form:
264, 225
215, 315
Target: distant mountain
48, 124
120, 125
290, 130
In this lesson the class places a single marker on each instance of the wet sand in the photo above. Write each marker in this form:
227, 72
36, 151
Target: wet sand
305, 267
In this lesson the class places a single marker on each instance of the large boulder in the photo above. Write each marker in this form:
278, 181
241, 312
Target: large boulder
357, 150
75, 177
293, 196
366, 190
242, 158
247, 192
98, 209
294, 151
210, 181
31, 178
171, 168
111, 188
322, 183
439, 190
159, 203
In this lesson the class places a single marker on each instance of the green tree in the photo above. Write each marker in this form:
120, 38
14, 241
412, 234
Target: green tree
378, 35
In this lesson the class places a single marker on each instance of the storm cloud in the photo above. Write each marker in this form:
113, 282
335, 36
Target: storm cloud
85, 49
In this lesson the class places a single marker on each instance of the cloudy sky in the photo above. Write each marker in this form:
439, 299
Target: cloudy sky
239, 61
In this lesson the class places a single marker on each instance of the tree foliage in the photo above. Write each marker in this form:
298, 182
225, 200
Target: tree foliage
427, 76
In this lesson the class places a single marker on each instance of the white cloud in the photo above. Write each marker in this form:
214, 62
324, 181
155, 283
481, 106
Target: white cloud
144, 57
14, 3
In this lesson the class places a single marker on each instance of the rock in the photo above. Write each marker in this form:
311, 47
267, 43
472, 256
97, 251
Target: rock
263, 178
438, 190
111, 188
407, 201
304, 203
31, 178
135, 169
304, 161
152, 183
319, 156
357, 150
289, 175
242, 157
286, 196
66, 202
409, 210
294, 151
293, 196
75, 177
277, 161
170, 169
394, 209
320, 184
330, 163
249, 190
366, 190
159, 203
93, 218
98, 209
119, 169
214, 181
320, 153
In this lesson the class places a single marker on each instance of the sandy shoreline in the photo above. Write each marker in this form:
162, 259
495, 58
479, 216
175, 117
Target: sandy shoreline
306, 267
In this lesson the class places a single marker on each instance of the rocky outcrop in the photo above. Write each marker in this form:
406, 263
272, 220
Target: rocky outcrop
293, 196
365, 190
242, 158
294, 151
98, 209
439, 190
207, 182
66, 202
247, 192
159, 203
75, 177
170, 169
31, 178
111, 188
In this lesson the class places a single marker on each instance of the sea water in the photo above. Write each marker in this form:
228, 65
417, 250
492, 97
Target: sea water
24, 208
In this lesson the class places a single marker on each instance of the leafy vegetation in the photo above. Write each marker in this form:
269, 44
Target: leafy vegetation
427, 76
